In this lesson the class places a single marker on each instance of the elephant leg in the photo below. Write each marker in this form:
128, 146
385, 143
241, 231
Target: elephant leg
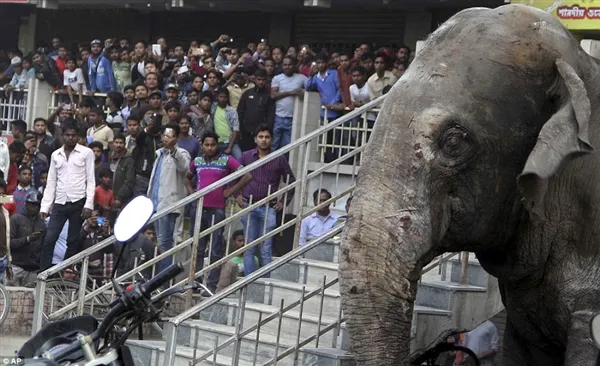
580, 348
514, 350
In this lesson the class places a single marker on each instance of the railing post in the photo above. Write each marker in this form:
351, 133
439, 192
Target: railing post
170, 337
194, 260
302, 193
464, 268
82, 285
38, 307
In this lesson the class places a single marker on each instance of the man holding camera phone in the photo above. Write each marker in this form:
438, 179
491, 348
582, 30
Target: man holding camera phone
147, 141
27, 231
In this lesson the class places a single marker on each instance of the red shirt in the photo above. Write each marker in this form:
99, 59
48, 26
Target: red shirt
61, 65
345, 80
103, 197
197, 69
304, 70
11, 181
11, 207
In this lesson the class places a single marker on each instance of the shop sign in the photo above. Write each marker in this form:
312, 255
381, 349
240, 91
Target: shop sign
575, 15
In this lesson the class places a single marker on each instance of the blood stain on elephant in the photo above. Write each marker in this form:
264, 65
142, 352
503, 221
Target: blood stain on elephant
419, 154
406, 222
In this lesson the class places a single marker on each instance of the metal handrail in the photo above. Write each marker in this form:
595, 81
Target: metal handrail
171, 336
185, 243
176, 321
230, 178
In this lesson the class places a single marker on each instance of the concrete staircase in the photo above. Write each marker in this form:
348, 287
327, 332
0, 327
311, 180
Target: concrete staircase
441, 303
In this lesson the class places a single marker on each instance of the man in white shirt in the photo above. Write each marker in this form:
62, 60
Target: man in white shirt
70, 192
319, 222
359, 92
382, 79
285, 88
484, 342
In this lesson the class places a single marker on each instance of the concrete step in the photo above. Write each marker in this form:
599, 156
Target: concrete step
205, 334
439, 294
271, 291
225, 312
152, 353
328, 251
307, 271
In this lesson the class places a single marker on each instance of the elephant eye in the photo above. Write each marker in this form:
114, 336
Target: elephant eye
454, 142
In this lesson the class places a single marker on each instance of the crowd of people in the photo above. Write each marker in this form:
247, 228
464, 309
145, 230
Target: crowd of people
164, 122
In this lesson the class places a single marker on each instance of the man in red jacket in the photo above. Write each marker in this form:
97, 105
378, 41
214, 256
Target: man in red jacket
16, 151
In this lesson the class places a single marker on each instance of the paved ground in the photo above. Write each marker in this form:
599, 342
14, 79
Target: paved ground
9, 344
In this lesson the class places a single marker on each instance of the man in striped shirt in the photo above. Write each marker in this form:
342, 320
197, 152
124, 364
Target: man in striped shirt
265, 182
211, 166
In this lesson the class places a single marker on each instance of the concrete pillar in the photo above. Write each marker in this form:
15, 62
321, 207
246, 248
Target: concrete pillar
307, 113
591, 46
280, 29
27, 32
417, 27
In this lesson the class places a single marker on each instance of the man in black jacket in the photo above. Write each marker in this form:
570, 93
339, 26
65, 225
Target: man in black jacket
123, 167
27, 231
256, 107
147, 142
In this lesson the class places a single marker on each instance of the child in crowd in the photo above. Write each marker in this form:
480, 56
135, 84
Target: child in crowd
43, 180
234, 268
103, 195
74, 81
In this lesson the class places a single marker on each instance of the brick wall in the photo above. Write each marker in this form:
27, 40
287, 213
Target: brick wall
20, 317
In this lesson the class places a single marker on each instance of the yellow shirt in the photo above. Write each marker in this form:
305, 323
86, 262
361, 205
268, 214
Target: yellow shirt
103, 134
235, 93
377, 84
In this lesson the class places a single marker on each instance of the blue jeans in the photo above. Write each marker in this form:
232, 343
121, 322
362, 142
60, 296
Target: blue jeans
254, 225
165, 227
3, 266
236, 152
282, 132
216, 251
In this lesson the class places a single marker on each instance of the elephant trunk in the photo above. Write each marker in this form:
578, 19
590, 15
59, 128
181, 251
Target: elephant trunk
386, 243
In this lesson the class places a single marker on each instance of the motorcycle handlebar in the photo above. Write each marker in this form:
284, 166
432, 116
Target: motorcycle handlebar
145, 289
160, 279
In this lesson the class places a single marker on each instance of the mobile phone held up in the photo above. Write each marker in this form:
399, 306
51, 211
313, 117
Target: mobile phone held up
100, 220
156, 50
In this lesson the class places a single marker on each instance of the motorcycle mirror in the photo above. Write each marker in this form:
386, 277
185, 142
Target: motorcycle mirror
595, 329
133, 218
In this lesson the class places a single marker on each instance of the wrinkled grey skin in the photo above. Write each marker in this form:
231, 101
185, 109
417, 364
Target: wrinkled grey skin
485, 145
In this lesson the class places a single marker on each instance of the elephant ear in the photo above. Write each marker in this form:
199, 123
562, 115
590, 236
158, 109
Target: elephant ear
563, 136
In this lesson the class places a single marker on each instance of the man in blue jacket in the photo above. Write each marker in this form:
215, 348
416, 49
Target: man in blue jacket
101, 77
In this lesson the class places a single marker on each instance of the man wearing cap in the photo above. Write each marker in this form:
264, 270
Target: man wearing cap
153, 110
172, 92
101, 77
19, 78
27, 232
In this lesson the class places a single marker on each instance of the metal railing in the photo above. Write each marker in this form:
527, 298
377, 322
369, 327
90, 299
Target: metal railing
347, 136
15, 105
60, 96
242, 287
324, 176
301, 148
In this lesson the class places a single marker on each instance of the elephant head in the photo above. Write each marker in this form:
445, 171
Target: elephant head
494, 105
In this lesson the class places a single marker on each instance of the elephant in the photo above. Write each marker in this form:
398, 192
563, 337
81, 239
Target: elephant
485, 145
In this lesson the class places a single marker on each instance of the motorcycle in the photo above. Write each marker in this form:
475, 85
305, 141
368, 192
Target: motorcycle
442, 352
83, 340
595, 332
